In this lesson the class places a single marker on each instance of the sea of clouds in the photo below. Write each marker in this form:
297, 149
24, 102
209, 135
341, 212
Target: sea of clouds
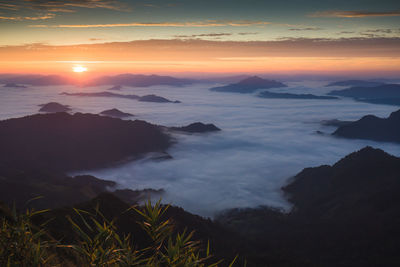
262, 144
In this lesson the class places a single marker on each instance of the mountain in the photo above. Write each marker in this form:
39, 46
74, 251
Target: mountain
346, 214
115, 113
197, 127
20, 185
138, 80
14, 85
64, 142
146, 98
373, 128
102, 94
225, 79
363, 183
382, 94
38, 80
115, 88
394, 101
156, 98
267, 94
355, 83
249, 85
381, 91
54, 107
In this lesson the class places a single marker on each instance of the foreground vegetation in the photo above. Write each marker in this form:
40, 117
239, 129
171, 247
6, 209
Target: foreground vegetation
97, 242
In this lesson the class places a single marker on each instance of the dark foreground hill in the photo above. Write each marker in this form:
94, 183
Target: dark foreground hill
373, 128
37, 150
346, 214
64, 142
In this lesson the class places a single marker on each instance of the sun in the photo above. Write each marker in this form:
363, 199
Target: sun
79, 68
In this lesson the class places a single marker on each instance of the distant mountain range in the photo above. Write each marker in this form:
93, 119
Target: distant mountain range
382, 94
267, 94
136, 80
37, 80
197, 127
249, 85
115, 113
145, 98
139, 80
53, 107
358, 83
373, 128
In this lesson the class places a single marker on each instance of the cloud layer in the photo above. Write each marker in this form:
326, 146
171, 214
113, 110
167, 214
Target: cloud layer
263, 142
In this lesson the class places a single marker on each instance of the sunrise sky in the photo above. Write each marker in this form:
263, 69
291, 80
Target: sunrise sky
187, 36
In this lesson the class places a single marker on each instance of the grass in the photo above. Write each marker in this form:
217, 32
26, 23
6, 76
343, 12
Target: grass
98, 242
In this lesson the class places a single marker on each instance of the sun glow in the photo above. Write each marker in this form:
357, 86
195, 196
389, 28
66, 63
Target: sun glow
79, 69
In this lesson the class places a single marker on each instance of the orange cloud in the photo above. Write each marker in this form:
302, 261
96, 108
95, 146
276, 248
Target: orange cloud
207, 23
20, 18
291, 55
64, 5
354, 14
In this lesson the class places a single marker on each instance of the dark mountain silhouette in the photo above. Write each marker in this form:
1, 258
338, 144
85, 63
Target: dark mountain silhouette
249, 85
19, 185
102, 94
146, 98
267, 94
118, 80
351, 187
382, 91
64, 142
139, 80
383, 94
197, 127
355, 83
115, 113
115, 88
157, 99
394, 101
226, 79
373, 128
54, 107
346, 214
38, 80
14, 85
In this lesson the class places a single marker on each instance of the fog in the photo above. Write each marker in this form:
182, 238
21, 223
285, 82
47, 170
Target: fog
262, 144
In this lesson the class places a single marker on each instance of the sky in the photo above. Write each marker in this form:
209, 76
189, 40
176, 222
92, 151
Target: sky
187, 36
